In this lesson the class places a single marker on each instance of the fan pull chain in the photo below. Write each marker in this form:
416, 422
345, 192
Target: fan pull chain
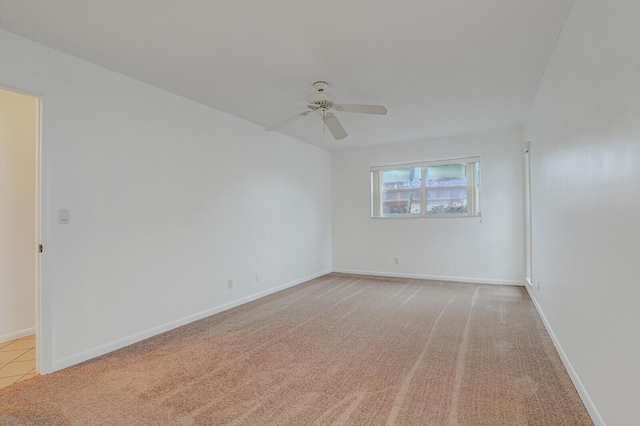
324, 121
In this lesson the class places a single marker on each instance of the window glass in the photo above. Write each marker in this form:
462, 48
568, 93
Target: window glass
401, 178
446, 175
401, 191
447, 201
401, 202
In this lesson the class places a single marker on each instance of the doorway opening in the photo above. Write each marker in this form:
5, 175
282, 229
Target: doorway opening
19, 234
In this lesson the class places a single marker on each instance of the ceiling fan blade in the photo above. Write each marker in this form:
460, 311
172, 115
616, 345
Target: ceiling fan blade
334, 126
364, 109
287, 121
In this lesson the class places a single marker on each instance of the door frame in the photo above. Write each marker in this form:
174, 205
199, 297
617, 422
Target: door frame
43, 291
528, 225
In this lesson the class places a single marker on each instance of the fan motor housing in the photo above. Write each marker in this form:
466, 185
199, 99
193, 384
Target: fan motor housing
324, 100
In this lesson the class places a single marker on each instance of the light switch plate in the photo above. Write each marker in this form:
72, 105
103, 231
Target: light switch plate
63, 216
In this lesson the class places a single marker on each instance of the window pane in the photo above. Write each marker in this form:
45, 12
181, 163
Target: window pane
446, 175
401, 178
400, 202
447, 201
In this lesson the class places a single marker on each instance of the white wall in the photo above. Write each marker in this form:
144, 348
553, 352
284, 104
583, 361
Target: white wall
168, 200
18, 131
584, 128
465, 249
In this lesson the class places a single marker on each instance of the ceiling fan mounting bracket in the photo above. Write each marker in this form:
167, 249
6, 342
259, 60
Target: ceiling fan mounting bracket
320, 85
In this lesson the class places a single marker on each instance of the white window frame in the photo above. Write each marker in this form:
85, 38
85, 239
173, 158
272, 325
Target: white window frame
472, 187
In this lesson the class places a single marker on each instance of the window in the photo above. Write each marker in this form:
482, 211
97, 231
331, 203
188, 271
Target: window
428, 189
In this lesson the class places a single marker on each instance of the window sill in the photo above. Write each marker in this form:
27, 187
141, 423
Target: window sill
439, 216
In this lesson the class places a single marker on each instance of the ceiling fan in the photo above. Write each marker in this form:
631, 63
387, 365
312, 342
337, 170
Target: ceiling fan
322, 104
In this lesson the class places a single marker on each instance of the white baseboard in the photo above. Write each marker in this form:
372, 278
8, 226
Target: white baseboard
582, 391
17, 334
134, 338
431, 277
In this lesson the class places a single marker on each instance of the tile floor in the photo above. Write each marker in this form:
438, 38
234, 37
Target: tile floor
17, 360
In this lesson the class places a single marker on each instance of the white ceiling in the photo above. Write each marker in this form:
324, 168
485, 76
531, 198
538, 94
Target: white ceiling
440, 66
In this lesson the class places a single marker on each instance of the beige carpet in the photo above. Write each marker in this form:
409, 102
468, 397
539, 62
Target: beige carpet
342, 350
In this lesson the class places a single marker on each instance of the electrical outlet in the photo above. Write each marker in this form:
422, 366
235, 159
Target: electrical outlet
396, 260
229, 284
538, 285
257, 278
